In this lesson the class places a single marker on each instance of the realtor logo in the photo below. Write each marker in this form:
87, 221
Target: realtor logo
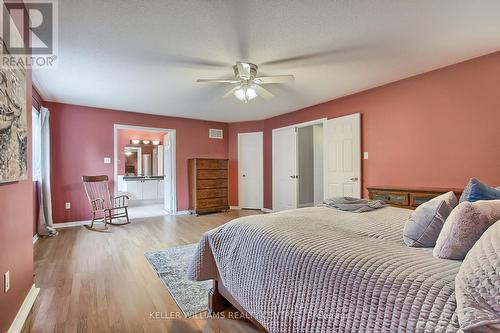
29, 33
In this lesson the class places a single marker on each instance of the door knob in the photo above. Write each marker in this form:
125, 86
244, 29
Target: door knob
354, 179
243, 175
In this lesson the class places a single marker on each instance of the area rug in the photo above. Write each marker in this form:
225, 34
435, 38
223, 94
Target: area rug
171, 265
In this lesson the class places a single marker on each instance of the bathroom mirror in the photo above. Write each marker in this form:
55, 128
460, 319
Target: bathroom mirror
133, 161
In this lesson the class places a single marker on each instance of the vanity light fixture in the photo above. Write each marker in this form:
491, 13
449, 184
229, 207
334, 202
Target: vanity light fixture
146, 142
128, 153
135, 141
156, 142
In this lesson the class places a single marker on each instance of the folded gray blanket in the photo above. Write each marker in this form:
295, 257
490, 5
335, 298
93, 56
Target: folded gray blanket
353, 205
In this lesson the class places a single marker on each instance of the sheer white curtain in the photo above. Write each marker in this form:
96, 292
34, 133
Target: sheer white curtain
41, 170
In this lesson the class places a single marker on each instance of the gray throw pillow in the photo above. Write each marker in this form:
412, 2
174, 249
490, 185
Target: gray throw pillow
425, 223
464, 226
477, 285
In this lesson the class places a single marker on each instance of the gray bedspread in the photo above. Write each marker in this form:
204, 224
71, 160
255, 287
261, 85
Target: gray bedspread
326, 270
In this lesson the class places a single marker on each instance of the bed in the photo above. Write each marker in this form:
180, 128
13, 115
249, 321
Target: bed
325, 270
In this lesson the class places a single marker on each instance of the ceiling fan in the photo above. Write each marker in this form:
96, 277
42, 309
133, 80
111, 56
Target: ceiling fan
248, 84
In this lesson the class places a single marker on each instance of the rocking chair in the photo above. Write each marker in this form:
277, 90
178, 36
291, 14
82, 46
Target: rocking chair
102, 203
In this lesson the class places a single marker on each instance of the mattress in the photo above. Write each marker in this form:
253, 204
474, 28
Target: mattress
325, 270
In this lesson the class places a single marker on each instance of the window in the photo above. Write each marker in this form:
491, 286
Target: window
35, 145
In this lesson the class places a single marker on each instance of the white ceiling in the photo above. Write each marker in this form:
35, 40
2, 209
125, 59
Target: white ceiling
145, 56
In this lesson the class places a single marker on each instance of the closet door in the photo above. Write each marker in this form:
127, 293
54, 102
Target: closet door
342, 158
284, 169
250, 170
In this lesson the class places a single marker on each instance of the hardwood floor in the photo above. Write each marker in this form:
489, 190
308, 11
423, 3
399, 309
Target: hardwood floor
101, 282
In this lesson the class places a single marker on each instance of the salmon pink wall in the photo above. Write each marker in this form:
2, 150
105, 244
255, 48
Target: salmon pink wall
435, 129
16, 234
123, 139
82, 136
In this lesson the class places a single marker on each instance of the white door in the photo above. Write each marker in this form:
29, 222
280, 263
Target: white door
250, 170
284, 169
342, 158
168, 174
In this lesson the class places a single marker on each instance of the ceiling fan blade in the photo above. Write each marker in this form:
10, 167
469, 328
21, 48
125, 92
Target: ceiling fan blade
243, 70
263, 92
230, 92
192, 61
304, 57
217, 80
274, 79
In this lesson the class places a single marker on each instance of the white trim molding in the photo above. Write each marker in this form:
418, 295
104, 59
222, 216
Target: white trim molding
182, 212
74, 224
24, 310
305, 124
267, 210
35, 238
234, 207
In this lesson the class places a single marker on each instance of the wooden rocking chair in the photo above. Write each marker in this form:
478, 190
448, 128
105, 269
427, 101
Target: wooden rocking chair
102, 203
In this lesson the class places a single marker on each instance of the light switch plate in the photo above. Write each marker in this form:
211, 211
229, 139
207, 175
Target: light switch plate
6, 281
365, 155
107, 160
68, 205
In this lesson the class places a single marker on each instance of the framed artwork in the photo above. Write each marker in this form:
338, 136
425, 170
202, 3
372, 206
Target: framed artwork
13, 123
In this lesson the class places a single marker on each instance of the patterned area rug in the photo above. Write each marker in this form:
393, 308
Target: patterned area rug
171, 266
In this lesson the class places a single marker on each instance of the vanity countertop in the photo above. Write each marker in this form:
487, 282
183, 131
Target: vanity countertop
129, 178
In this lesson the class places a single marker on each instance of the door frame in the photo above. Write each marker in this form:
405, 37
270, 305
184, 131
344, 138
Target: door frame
172, 138
261, 182
319, 121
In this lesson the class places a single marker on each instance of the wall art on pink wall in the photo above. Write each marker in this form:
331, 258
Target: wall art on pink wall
13, 125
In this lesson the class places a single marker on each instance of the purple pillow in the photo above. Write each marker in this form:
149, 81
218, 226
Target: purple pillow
464, 226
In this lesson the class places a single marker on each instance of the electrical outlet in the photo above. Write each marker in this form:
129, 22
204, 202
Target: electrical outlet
107, 160
6, 281
68, 205
365, 155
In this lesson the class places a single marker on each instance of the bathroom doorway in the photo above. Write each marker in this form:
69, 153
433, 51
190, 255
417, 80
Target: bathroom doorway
144, 169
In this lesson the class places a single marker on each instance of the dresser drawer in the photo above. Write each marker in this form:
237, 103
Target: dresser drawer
211, 174
416, 199
211, 164
392, 198
210, 203
212, 193
211, 183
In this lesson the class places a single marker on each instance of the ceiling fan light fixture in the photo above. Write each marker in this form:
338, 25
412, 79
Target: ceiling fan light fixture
251, 93
245, 93
240, 94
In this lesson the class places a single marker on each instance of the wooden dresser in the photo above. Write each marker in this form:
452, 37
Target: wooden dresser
407, 197
208, 185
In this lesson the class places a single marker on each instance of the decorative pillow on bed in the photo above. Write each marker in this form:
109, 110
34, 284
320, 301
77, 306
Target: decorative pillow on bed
464, 226
476, 190
477, 285
425, 223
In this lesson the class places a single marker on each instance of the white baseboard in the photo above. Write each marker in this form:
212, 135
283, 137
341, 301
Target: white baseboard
308, 204
35, 238
267, 210
182, 212
73, 224
22, 314
235, 207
